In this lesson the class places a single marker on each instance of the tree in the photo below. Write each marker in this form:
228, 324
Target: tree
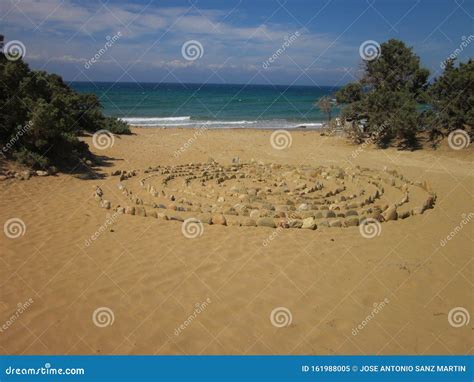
325, 105
386, 96
41, 116
452, 98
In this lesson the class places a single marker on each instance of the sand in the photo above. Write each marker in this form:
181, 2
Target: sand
154, 291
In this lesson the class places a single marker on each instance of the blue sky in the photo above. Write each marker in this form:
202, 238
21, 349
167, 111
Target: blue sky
237, 37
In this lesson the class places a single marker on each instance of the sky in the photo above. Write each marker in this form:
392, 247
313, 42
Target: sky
230, 41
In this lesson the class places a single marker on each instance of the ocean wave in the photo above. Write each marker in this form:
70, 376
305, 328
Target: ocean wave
138, 120
223, 124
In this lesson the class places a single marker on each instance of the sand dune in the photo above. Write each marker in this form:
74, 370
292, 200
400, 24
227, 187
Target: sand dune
132, 286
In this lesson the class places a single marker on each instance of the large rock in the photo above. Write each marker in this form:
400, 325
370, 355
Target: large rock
309, 223
266, 222
335, 223
248, 222
352, 221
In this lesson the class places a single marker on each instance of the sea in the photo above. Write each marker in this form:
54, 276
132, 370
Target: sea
218, 106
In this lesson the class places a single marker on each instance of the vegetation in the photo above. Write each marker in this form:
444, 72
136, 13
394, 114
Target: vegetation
41, 117
325, 105
385, 103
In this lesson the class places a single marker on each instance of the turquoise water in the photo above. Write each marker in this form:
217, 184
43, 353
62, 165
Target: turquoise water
218, 106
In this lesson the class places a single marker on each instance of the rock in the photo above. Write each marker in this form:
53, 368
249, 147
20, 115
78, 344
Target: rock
140, 211
266, 222
295, 223
41, 173
254, 214
219, 220
152, 214
429, 203
303, 207
248, 222
161, 216
329, 214
282, 223
176, 218
172, 206
352, 213
404, 214
390, 213
352, 222
309, 223
105, 204
417, 211
130, 210
116, 173
323, 223
232, 221
335, 223
205, 218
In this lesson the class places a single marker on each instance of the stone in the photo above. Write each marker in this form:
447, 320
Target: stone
205, 218
248, 222
219, 220
41, 173
140, 211
105, 204
309, 223
390, 213
130, 210
323, 223
176, 218
152, 214
295, 223
266, 222
172, 207
254, 214
352, 221
303, 207
352, 213
329, 214
335, 223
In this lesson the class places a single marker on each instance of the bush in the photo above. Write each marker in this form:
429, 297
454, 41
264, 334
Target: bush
42, 116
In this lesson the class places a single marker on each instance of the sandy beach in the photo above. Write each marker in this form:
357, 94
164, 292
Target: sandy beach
81, 279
